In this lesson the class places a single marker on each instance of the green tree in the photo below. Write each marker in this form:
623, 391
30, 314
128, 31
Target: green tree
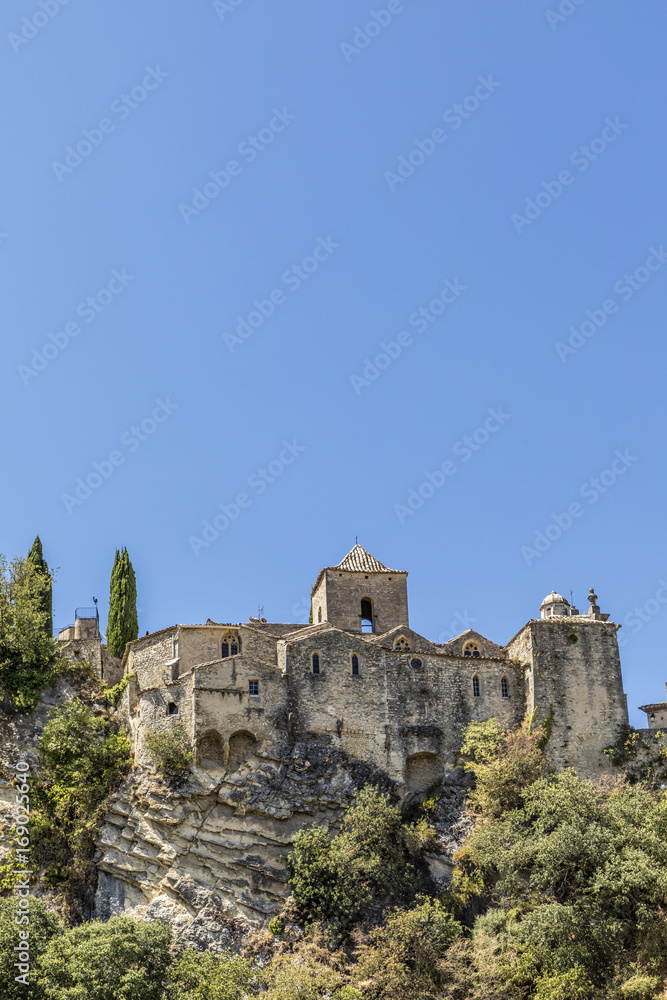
122, 626
83, 759
36, 558
197, 976
122, 959
370, 862
405, 960
29, 660
43, 926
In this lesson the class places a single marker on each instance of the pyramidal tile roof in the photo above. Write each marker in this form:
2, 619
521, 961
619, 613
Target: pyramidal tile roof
358, 560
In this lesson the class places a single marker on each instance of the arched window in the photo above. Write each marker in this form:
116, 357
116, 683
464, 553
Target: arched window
355, 664
471, 649
402, 644
504, 688
316, 663
475, 687
366, 615
230, 645
172, 708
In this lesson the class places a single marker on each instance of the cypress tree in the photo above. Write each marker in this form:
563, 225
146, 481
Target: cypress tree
37, 560
123, 625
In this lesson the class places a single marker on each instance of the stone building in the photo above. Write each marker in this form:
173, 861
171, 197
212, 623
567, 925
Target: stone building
360, 680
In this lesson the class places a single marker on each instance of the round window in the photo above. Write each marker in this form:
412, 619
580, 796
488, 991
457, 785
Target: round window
416, 663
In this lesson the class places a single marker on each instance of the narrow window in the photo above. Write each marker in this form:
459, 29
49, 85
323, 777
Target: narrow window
475, 687
355, 664
505, 688
225, 650
172, 709
366, 615
253, 687
319, 614
316, 663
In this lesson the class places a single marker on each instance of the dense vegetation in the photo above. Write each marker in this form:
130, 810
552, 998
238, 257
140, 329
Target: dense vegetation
29, 660
82, 760
122, 626
559, 893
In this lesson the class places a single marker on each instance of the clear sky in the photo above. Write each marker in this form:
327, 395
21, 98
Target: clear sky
265, 268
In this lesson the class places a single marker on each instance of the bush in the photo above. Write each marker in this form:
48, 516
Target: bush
571, 985
276, 926
301, 976
405, 961
197, 976
44, 926
29, 660
169, 749
119, 960
371, 860
504, 764
83, 759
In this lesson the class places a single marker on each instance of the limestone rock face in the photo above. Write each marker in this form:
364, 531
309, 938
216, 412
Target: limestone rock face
215, 848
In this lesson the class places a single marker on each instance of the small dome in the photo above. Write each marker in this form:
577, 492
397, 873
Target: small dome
554, 598
554, 605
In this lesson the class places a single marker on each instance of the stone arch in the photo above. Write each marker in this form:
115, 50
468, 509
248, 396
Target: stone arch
241, 745
422, 770
210, 750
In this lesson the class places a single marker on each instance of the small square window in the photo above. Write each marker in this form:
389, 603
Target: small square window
253, 687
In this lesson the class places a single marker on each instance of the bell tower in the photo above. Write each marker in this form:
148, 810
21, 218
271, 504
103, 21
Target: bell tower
361, 594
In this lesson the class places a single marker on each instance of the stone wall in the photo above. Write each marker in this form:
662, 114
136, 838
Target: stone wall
573, 665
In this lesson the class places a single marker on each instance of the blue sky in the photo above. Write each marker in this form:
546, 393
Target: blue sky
306, 250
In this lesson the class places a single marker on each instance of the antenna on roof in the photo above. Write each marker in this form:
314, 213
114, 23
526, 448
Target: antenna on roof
356, 539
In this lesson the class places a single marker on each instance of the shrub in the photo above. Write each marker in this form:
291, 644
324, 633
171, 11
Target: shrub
504, 764
115, 693
44, 926
276, 926
83, 759
197, 976
371, 860
405, 960
169, 749
119, 960
301, 976
571, 985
